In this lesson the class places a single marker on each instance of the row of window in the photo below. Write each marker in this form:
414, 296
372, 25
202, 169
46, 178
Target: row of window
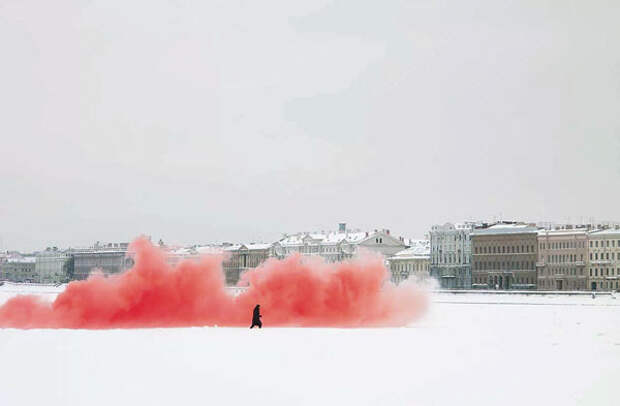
605, 272
605, 285
507, 265
556, 259
511, 249
491, 281
449, 238
409, 267
603, 256
561, 271
562, 245
449, 259
567, 285
310, 249
604, 243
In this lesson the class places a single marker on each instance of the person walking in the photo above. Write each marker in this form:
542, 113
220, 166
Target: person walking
256, 317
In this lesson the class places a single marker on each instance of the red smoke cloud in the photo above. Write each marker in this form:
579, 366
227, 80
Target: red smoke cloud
291, 292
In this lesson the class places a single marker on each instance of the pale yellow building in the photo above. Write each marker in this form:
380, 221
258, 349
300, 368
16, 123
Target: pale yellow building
604, 260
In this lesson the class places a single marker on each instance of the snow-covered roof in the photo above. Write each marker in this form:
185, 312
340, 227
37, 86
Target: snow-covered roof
22, 260
612, 232
464, 225
325, 238
258, 246
417, 251
554, 233
506, 229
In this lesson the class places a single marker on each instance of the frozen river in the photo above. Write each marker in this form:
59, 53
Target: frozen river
469, 349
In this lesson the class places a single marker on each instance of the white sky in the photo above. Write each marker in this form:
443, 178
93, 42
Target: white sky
200, 121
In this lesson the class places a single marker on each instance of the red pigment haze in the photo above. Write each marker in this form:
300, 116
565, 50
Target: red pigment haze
291, 292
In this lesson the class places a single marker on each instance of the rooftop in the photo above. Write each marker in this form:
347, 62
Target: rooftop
614, 232
503, 228
325, 238
22, 260
417, 251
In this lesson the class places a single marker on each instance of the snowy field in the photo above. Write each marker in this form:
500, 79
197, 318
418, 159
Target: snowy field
470, 349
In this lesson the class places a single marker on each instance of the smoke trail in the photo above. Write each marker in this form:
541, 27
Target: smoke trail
292, 292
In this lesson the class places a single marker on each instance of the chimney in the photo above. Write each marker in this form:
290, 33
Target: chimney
342, 227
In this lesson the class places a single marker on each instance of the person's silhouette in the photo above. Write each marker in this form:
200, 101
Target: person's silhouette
256, 317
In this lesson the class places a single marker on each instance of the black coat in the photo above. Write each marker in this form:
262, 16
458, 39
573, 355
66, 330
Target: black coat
256, 315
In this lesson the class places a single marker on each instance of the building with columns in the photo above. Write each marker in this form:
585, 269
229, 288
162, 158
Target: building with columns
238, 257
504, 256
108, 258
242, 257
54, 266
339, 245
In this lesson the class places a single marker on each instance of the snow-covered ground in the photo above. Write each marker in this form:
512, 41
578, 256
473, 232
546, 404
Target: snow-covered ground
470, 349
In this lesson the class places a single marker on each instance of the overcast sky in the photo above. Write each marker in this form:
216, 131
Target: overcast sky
198, 121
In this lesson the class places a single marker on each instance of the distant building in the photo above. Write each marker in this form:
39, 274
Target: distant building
108, 258
450, 261
239, 257
340, 245
504, 256
19, 269
53, 267
243, 257
412, 262
604, 259
562, 258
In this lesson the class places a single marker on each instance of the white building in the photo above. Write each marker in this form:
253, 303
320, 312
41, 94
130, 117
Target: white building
108, 258
18, 269
239, 257
339, 245
451, 254
412, 262
53, 267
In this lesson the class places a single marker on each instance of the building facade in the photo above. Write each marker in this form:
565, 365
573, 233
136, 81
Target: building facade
18, 269
604, 260
504, 256
53, 267
238, 258
562, 259
242, 258
107, 258
450, 254
413, 262
340, 245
